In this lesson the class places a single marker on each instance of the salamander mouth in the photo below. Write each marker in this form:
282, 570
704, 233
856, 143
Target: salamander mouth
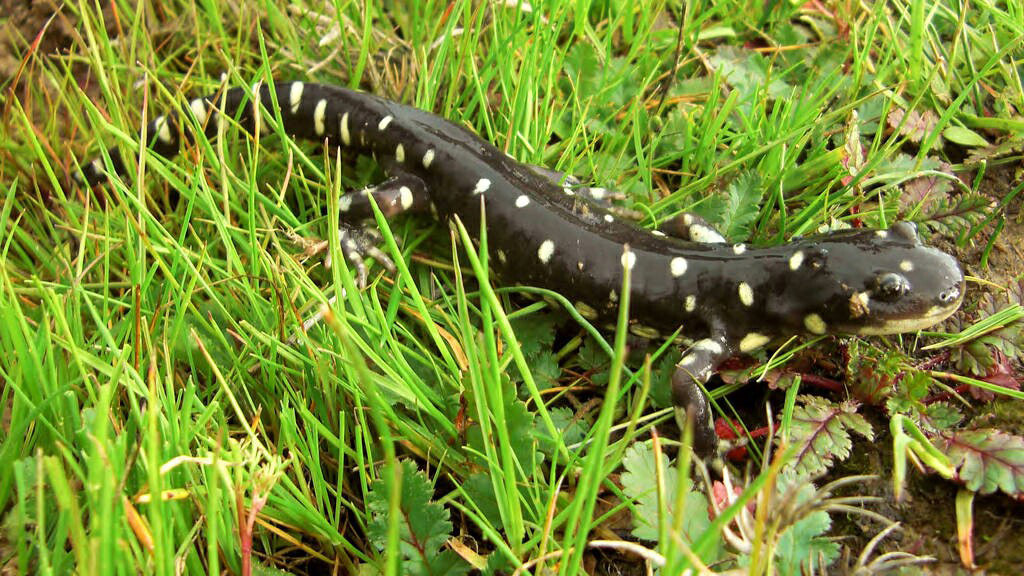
912, 323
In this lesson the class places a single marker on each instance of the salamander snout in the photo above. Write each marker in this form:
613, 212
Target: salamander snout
950, 296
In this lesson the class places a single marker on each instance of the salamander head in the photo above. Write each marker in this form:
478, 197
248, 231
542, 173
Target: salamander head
872, 282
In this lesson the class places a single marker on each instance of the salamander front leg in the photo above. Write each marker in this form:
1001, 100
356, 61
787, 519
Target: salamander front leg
402, 192
357, 243
693, 371
398, 194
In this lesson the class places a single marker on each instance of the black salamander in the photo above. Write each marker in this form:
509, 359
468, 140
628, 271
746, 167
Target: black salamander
728, 298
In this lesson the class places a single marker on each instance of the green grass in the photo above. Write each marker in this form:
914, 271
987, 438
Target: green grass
151, 336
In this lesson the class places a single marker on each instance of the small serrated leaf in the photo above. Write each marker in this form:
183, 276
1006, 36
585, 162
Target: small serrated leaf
592, 356
744, 195
953, 217
480, 491
545, 370
804, 544
986, 460
1001, 373
573, 429
926, 192
640, 482
522, 435
871, 372
973, 358
424, 525
899, 164
661, 396
943, 415
535, 333
712, 207
822, 431
1013, 145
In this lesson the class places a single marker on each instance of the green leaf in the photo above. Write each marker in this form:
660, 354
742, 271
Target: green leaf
898, 166
573, 428
520, 421
661, 378
535, 333
870, 114
964, 137
640, 481
943, 415
595, 361
545, 370
480, 491
744, 195
447, 562
713, 208
424, 525
749, 72
803, 544
987, 460
523, 432
592, 356
583, 68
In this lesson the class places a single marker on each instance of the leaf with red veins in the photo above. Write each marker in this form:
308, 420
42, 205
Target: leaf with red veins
1000, 373
822, 431
927, 191
986, 460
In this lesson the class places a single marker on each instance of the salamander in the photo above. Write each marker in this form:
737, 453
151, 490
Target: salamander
546, 231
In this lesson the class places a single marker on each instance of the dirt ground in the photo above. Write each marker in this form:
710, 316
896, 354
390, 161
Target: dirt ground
21, 25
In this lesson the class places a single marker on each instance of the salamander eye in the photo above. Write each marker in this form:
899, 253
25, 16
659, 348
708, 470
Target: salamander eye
906, 230
890, 286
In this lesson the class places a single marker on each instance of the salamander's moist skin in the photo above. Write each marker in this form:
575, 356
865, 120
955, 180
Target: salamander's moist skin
725, 298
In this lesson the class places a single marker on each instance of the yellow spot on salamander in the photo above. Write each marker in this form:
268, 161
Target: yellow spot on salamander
163, 130
814, 324
295, 96
746, 294
753, 341
644, 331
346, 136
677, 266
586, 310
198, 107
796, 260
546, 250
319, 113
